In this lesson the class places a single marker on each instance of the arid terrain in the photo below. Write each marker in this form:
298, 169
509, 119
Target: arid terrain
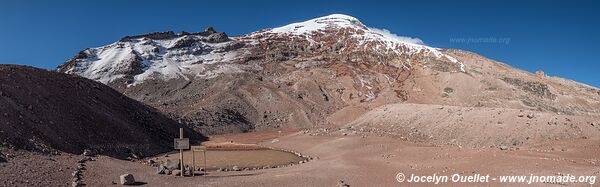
324, 102
373, 160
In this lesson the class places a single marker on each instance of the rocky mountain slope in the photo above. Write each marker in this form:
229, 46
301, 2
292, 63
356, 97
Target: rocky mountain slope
323, 72
49, 111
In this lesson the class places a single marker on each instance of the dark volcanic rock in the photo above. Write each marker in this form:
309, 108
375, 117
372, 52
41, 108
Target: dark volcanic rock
185, 41
209, 30
152, 35
217, 37
70, 113
71, 62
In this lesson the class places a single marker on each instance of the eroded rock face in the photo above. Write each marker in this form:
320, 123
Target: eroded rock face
535, 88
184, 42
217, 38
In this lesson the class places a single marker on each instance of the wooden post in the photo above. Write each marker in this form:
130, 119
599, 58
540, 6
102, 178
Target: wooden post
193, 163
181, 151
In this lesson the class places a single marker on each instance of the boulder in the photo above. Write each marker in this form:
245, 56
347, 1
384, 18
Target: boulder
161, 169
503, 147
236, 168
172, 164
188, 170
531, 115
127, 179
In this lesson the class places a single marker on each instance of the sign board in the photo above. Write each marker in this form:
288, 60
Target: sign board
198, 148
182, 143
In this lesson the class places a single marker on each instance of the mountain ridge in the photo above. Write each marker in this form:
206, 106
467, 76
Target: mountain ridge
317, 74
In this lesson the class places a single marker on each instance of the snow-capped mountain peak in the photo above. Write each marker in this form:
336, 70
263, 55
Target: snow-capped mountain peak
356, 36
167, 55
321, 23
338, 21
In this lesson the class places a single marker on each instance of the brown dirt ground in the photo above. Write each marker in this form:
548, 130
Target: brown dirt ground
375, 161
34, 169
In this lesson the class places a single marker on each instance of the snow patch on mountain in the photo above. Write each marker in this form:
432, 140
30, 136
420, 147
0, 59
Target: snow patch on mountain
167, 59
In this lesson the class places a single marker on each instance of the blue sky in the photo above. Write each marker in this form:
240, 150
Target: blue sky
558, 37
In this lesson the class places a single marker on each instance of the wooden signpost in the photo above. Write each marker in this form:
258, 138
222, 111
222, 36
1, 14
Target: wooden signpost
181, 144
198, 149
184, 143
